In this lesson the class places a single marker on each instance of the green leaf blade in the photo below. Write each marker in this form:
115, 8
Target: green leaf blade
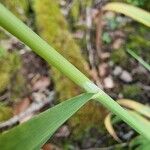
38, 130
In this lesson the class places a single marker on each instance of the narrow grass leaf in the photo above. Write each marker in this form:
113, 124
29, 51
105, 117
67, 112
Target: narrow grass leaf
139, 59
34, 133
135, 13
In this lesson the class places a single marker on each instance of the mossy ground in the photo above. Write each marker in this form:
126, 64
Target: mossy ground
11, 78
18, 7
119, 57
10, 62
131, 91
5, 112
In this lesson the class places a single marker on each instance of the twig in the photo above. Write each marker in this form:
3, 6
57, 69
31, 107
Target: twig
89, 47
34, 107
99, 34
88, 36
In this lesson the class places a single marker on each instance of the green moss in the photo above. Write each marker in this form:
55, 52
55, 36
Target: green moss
3, 34
131, 91
75, 10
52, 26
5, 71
10, 74
18, 87
18, 7
119, 57
138, 42
5, 79
5, 113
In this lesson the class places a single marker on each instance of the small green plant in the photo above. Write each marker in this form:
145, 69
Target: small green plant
34, 133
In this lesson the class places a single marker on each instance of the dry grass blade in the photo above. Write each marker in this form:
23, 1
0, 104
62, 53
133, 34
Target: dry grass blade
109, 127
135, 13
140, 108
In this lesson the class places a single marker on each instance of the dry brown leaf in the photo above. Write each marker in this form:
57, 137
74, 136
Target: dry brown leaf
42, 83
93, 73
105, 56
21, 106
103, 69
117, 43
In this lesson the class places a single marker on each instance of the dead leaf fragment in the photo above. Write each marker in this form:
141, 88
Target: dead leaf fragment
42, 83
50, 146
21, 106
117, 43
